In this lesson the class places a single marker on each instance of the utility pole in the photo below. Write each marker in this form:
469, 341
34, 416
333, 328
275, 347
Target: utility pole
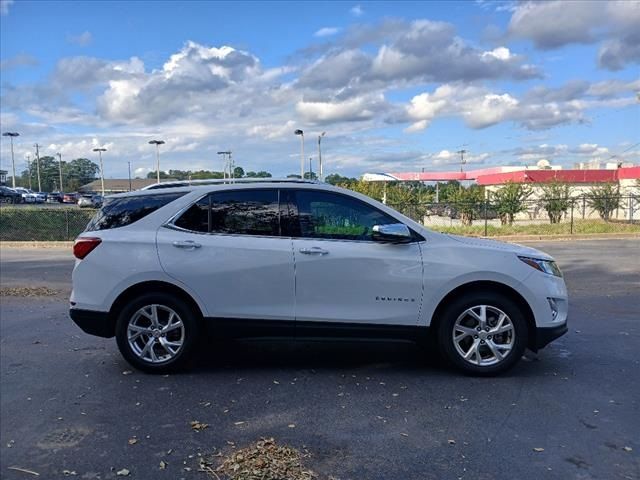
310, 169
29, 168
13, 162
461, 152
226, 158
100, 150
38, 165
301, 133
129, 175
60, 166
321, 175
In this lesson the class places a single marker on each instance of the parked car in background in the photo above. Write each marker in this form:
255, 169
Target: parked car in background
90, 201
70, 198
28, 196
55, 197
42, 196
9, 195
155, 268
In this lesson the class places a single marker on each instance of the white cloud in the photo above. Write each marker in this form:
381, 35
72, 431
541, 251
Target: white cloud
554, 24
82, 40
353, 109
501, 53
357, 11
20, 60
326, 32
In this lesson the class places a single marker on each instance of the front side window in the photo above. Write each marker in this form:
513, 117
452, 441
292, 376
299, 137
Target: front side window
119, 212
335, 216
240, 212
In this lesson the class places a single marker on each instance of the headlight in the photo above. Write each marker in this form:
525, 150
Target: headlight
546, 266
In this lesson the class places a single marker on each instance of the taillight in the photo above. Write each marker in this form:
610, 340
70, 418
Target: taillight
83, 246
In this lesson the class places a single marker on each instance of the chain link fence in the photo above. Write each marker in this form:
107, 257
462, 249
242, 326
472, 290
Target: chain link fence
42, 224
581, 215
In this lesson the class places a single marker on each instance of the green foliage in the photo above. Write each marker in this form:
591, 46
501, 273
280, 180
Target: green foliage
75, 173
469, 202
510, 200
556, 200
605, 199
238, 172
335, 179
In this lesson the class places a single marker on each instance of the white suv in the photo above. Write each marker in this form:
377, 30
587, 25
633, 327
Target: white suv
303, 259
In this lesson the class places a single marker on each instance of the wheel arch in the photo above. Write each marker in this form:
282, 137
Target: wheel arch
153, 286
493, 287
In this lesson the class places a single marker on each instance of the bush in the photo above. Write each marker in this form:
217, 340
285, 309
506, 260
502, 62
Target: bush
556, 200
605, 200
510, 200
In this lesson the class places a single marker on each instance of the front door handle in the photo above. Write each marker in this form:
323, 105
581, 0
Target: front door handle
314, 251
187, 245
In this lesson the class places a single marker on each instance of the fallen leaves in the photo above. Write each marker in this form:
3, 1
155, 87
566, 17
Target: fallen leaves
627, 449
27, 292
261, 460
133, 441
123, 473
198, 426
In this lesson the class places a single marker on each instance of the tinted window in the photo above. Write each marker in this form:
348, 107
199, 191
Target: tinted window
335, 216
245, 212
196, 218
119, 212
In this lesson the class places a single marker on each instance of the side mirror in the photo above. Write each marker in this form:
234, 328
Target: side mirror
392, 233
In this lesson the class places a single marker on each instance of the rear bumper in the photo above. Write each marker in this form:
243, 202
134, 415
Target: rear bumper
93, 323
546, 335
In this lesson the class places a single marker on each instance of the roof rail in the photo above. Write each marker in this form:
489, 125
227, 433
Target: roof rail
225, 181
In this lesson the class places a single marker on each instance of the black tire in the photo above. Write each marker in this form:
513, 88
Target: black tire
497, 301
191, 326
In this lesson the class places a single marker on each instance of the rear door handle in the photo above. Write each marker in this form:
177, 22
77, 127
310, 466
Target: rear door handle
187, 245
314, 251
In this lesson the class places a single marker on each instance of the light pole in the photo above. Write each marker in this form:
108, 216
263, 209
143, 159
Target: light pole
321, 177
129, 163
13, 162
100, 150
301, 133
60, 165
157, 143
38, 165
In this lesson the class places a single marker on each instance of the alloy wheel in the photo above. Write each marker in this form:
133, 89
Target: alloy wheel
483, 335
155, 333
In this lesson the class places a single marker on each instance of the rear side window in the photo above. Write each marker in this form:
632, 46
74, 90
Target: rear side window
119, 212
241, 212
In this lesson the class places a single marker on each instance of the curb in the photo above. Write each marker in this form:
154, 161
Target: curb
27, 244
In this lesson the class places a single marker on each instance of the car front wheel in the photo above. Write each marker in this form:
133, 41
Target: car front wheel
157, 333
483, 333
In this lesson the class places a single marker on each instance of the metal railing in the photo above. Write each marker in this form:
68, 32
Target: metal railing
579, 215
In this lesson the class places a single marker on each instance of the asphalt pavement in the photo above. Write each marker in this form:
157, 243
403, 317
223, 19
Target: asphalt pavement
70, 406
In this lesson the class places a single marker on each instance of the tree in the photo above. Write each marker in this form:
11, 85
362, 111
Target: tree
556, 200
75, 173
335, 179
310, 176
238, 172
511, 200
163, 175
605, 199
468, 202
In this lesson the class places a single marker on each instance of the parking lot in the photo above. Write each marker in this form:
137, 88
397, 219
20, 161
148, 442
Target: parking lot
71, 406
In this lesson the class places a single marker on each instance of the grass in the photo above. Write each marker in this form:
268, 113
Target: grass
580, 227
42, 224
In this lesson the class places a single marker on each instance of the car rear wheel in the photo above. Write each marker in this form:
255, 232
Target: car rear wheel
157, 332
483, 333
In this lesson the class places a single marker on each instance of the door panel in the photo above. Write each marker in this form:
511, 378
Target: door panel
235, 276
358, 282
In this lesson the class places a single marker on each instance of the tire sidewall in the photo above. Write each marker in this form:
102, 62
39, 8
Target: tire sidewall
189, 320
455, 309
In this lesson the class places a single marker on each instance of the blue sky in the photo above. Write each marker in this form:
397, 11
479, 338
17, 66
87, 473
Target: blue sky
397, 86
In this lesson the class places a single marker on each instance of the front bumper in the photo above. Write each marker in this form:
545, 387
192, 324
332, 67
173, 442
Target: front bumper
93, 323
545, 335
